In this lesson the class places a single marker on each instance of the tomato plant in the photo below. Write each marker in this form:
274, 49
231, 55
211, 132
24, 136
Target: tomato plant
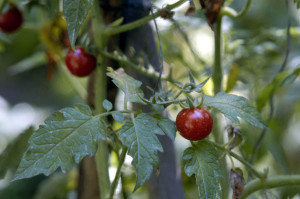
127, 101
79, 62
11, 20
194, 124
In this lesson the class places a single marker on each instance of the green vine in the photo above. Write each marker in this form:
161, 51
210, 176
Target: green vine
118, 173
270, 182
233, 14
102, 154
142, 21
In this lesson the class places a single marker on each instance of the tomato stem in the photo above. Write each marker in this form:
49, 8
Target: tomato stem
118, 173
129, 26
269, 183
102, 154
233, 14
239, 158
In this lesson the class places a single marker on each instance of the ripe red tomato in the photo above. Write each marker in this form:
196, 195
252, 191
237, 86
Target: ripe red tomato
194, 124
79, 62
11, 20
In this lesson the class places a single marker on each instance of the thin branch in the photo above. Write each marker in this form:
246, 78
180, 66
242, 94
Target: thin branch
261, 137
118, 173
161, 58
288, 46
269, 183
239, 158
124, 60
142, 21
233, 14
188, 42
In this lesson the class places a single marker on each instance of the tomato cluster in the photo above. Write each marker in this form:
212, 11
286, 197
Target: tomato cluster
194, 124
11, 20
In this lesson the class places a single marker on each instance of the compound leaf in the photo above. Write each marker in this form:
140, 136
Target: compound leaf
66, 137
203, 160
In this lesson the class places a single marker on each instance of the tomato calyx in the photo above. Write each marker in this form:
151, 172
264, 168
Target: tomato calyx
192, 103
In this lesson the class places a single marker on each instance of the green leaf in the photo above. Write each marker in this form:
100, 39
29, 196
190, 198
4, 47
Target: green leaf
203, 160
233, 106
12, 155
128, 85
192, 80
232, 78
288, 80
75, 12
265, 95
140, 137
66, 137
117, 22
201, 84
167, 126
107, 105
118, 116
35, 60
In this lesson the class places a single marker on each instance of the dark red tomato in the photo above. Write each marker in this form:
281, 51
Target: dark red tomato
79, 62
194, 124
11, 20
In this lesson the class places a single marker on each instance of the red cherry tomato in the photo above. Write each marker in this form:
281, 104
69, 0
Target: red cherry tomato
79, 62
11, 20
194, 124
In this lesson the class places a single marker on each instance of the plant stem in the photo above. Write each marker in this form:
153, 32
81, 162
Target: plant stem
217, 72
102, 151
217, 81
124, 60
239, 158
118, 173
102, 154
142, 21
233, 14
270, 182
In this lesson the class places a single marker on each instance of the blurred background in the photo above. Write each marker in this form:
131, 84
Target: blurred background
254, 48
